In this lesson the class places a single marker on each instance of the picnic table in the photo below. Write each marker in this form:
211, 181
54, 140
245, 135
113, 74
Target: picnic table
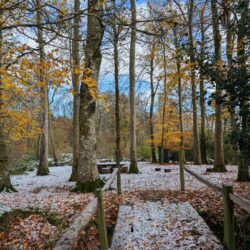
108, 167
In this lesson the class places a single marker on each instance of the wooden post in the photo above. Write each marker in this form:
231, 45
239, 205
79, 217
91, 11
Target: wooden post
181, 164
119, 185
101, 221
229, 231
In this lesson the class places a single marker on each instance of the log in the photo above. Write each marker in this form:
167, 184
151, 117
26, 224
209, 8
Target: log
72, 235
167, 170
109, 181
124, 169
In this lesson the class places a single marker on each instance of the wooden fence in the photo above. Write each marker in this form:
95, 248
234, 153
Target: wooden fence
228, 207
96, 206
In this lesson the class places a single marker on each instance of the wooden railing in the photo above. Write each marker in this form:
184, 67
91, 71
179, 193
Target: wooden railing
72, 235
228, 207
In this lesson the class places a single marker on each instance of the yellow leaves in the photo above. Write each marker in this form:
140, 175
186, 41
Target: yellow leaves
103, 101
20, 124
170, 126
89, 80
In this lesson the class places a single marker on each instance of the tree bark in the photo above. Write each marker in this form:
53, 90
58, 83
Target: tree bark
133, 155
52, 139
75, 82
164, 102
88, 178
219, 165
151, 113
43, 147
197, 152
232, 114
244, 144
118, 154
5, 182
178, 66
203, 138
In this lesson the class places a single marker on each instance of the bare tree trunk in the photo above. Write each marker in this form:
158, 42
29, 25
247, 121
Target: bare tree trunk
133, 155
43, 147
218, 147
88, 178
164, 103
182, 145
52, 139
75, 82
118, 154
196, 144
151, 113
178, 66
5, 183
203, 139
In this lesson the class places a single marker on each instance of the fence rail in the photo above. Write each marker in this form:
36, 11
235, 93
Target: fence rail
203, 180
243, 203
95, 206
228, 207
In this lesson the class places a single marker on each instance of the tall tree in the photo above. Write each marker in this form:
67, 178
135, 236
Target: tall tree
230, 46
197, 152
88, 178
243, 83
218, 145
5, 183
152, 101
53, 147
203, 138
118, 153
44, 138
182, 145
133, 155
164, 99
75, 82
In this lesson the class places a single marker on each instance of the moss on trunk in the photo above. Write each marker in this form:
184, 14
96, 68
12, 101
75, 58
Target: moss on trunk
133, 169
220, 168
88, 186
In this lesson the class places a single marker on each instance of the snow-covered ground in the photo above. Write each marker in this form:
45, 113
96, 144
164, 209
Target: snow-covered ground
58, 177
50, 193
148, 178
156, 225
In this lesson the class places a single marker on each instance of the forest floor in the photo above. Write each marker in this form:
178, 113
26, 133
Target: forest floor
44, 206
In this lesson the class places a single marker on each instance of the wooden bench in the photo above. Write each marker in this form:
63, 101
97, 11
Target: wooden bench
103, 167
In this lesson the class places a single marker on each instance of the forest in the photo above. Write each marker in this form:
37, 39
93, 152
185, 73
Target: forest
124, 124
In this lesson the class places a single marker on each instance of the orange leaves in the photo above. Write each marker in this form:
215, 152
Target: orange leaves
170, 125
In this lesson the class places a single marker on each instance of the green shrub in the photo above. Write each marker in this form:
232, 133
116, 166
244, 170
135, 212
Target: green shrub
27, 164
144, 152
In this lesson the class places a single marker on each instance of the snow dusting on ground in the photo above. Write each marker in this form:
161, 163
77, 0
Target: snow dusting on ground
140, 225
148, 178
50, 193
156, 225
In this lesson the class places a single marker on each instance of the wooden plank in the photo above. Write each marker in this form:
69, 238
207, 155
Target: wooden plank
243, 203
108, 164
205, 181
71, 236
228, 211
110, 181
101, 221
